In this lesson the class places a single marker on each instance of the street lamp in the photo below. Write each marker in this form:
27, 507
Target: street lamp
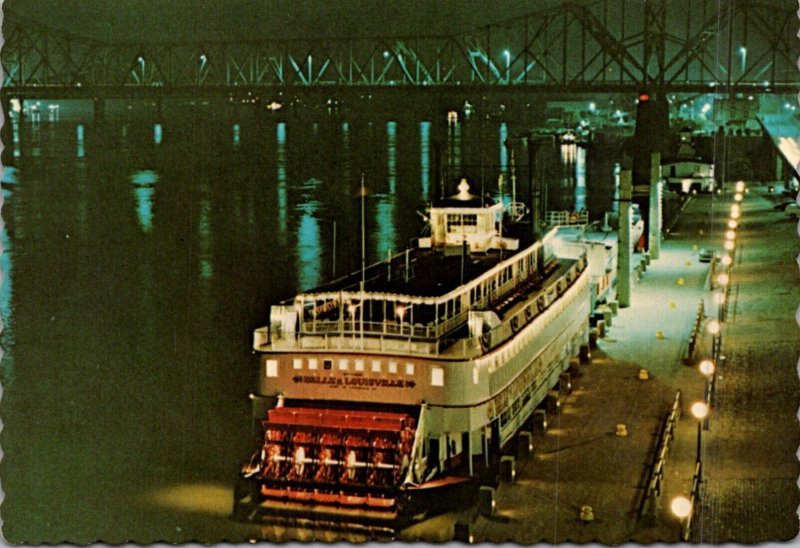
352, 309
682, 508
203, 59
726, 260
730, 235
700, 411
140, 59
400, 311
707, 368
732, 224
738, 196
723, 279
713, 327
743, 54
729, 245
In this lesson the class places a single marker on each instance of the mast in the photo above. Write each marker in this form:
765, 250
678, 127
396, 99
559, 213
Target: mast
363, 262
363, 238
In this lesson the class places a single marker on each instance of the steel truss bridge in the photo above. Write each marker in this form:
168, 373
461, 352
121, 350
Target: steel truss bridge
579, 46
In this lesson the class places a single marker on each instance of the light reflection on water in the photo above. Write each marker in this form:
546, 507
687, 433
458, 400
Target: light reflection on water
454, 147
205, 232
15, 138
80, 151
383, 205
580, 179
203, 498
6, 284
425, 158
503, 138
143, 182
283, 200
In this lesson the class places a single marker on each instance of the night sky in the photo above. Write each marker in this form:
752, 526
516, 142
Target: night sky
227, 19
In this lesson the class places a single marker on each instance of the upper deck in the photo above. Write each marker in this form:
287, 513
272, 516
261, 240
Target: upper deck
422, 297
417, 273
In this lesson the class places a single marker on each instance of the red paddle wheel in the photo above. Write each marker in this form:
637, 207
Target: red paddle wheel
332, 461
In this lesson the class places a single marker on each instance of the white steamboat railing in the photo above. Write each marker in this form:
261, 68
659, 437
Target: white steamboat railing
566, 218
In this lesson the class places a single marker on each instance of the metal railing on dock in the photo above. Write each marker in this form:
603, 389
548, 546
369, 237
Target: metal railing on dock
697, 481
655, 477
695, 336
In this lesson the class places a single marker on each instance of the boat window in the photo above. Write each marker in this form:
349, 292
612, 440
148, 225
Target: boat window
272, 368
392, 367
312, 363
437, 376
376, 366
462, 223
327, 364
297, 363
359, 365
409, 368
343, 364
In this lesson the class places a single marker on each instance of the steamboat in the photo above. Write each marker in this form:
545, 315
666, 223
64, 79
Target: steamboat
383, 394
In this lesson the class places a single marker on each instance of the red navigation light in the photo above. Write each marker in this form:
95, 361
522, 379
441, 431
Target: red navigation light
644, 97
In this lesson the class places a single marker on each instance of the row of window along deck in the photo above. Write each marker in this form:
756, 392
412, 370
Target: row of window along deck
353, 312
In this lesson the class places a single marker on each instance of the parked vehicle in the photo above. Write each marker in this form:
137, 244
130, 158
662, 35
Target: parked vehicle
706, 255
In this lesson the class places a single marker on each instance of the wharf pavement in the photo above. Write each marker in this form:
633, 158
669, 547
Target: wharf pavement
749, 493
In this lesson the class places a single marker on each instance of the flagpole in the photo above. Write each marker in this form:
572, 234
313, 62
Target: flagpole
363, 261
363, 239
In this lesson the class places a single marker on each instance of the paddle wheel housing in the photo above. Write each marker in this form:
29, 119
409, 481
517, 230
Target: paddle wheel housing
314, 460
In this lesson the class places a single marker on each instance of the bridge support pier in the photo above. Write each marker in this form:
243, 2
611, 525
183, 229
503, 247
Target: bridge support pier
5, 102
655, 206
7, 132
625, 249
651, 136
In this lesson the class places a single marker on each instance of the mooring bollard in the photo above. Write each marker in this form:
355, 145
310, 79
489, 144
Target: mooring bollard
539, 421
462, 531
601, 328
593, 339
565, 383
607, 316
584, 356
508, 468
614, 307
552, 402
524, 444
486, 503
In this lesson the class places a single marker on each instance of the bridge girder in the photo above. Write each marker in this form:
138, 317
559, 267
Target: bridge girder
664, 44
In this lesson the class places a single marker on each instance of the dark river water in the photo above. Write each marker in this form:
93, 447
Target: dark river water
137, 261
